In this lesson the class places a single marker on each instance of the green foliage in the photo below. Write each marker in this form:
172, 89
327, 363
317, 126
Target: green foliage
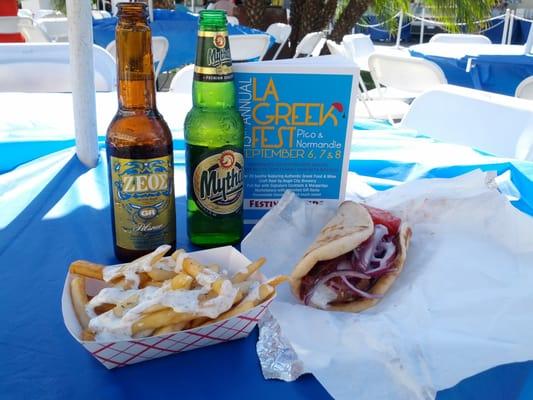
448, 12
61, 5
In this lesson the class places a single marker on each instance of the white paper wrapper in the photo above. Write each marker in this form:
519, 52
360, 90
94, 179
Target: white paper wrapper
463, 304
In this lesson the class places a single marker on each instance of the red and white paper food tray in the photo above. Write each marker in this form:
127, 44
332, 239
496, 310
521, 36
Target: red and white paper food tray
126, 352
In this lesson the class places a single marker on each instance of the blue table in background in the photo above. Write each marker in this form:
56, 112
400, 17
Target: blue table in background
55, 210
180, 29
494, 68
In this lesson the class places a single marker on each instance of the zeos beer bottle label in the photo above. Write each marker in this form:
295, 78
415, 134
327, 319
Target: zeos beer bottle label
213, 61
142, 202
218, 182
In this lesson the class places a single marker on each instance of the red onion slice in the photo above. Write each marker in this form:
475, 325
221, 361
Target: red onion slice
351, 274
384, 262
343, 275
378, 272
360, 292
366, 253
344, 265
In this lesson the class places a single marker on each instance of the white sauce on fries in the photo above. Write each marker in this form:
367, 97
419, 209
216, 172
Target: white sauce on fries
179, 262
109, 327
253, 291
207, 277
166, 263
130, 271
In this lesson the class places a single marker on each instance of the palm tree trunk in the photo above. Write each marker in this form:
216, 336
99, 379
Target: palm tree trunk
328, 13
351, 14
295, 21
311, 17
255, 10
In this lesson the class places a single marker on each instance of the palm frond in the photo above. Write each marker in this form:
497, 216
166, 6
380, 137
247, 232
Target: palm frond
449, 12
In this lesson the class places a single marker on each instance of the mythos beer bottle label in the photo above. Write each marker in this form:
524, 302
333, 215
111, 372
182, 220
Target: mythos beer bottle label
143, 203
213, 60
218, 181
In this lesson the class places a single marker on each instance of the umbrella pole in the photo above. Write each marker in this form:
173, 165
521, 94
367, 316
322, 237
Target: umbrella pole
80, 33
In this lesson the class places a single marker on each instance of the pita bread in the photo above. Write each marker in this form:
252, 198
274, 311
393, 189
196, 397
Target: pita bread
351, 226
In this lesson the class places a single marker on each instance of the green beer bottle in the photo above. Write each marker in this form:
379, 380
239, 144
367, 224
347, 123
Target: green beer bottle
214, 135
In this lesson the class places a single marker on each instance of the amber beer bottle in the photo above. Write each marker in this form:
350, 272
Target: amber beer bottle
214, 134
139, 146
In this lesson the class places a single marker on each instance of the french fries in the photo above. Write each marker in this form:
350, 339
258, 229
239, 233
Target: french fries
265, 291
149, 298
160, 275
181, 281
170, 328
87, 269
159, 319
79, 300
250, 269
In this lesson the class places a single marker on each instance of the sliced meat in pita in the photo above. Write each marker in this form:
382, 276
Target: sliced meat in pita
354, 260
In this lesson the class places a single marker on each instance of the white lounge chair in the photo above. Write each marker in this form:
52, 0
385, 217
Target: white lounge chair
45, 67
501, 125
337, 49
309, 44
182, 81
359, 46
525, 89
55, 28
232, 20
24, 26
159, 52
402, 77
248, 47
459, 38
281, 33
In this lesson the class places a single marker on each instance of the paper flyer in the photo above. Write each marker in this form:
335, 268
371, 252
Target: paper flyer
298, 119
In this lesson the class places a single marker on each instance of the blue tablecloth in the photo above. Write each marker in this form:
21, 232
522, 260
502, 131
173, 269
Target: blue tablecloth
180, 29
54, 210
498, 73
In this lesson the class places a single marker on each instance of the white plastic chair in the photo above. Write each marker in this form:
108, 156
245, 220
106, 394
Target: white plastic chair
359, 47
101, 14
459, 38
248, 47
318, 48
13, 24
35, 5
24, 26
42, 13
55, 28
44, 67
501, 125
159, 52
525, 89
403, 77
309, 43
24, 12
232, 20
182, 81
281, 33
336, 49
391, 110
375, 109
96, 14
